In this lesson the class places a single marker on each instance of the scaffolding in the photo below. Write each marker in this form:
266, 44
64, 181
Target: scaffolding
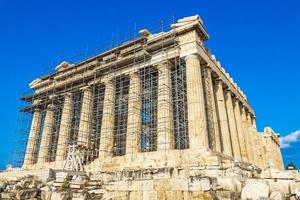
81, 113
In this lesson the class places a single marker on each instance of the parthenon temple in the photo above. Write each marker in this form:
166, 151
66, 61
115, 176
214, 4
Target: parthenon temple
159, 102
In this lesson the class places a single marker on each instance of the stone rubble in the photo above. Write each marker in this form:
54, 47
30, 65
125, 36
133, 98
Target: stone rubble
163, 183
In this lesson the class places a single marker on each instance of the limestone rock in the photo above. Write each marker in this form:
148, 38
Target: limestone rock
46, 195
200, 184
230, 184
81, 196
255, 190
277, 195
62, 177
26, 193
3, 185
297, 194
60, 195
294, 187
7, 195
97, 191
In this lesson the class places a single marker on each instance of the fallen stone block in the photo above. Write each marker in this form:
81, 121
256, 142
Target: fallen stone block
81, 196
60, 195
46, 195
255, 190
8, 195
26, 193
277, 195
97, 191
200, 184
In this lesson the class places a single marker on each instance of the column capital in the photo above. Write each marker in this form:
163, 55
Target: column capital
235, 99
107, 81
85, 88
50, 106
219, 82
164, 65
68, 94
134, 73
229, 90
218, 79
36, 101
243, 110
207, 66
191, 56
37, 109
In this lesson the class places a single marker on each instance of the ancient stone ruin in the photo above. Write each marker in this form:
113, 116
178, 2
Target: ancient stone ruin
156, 117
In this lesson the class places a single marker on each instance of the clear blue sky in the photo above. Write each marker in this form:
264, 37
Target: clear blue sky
256, 41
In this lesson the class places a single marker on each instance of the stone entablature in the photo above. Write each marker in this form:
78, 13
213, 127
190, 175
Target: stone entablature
140, 52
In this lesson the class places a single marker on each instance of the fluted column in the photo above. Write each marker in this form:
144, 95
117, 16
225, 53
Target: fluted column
46, 136
33, 136
212, 111
262, 151
232, 126
223, 120
85, 117
195, 104
165, 133
276, 154
280, 161
240, 130
269, 151
246, 135
107, 128
251, 138
64, 130
134, 115
256, 146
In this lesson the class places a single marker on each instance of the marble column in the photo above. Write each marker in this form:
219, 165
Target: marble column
247, 135
85, 117
165, 132
280, 160
251, 138
108, 119
223, 120
46, 135
240, 130
255, 141
134, 115
65, 129
211, 102
33, 137
269, 151
195, 104
262, 153
232, 126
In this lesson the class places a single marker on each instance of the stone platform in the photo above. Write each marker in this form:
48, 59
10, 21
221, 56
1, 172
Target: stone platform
224, 181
